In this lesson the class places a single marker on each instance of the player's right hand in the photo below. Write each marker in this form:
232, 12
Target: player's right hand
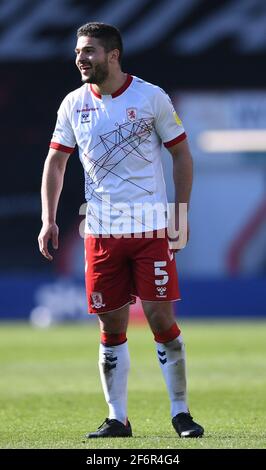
48, 232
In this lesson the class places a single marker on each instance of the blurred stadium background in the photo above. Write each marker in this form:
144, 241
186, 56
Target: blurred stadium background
210, 57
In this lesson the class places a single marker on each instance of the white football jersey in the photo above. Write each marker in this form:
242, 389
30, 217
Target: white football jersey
119, 137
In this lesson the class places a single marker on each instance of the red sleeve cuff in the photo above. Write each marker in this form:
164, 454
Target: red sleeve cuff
62, 148
175, 141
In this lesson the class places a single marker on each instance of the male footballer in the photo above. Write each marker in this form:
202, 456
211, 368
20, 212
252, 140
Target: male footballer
119, 123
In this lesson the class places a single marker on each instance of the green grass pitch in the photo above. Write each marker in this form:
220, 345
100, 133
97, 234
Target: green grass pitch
50, 393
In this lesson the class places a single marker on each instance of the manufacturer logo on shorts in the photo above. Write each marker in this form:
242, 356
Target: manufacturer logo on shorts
161, 291
131, 114
97, 300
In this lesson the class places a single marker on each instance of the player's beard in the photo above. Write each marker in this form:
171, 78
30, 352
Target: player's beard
99, 74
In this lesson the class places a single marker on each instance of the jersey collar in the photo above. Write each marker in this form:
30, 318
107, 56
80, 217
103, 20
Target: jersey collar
117, 92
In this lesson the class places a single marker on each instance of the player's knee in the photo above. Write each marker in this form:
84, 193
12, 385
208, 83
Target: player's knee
159, 315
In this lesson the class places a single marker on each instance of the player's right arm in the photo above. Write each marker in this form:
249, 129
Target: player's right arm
61, 146
52, 184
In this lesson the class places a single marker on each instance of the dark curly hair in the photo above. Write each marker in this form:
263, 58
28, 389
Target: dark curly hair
109, 36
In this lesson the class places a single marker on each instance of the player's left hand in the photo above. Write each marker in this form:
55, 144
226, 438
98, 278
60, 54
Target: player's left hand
47, 233
180, 241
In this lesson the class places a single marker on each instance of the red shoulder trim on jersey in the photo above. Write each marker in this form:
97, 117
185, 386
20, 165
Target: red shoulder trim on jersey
62, 148
175, 141
117, 92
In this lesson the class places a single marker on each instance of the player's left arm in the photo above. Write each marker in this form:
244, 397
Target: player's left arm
183, 178
170, 129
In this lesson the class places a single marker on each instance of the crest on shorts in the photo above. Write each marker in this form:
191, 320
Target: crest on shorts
97, 300
131, 114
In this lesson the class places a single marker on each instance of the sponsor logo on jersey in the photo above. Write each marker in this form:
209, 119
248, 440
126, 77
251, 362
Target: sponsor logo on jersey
97, 300
131, 114
86, 109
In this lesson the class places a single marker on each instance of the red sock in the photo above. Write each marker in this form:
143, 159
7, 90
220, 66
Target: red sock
168, 335
114, 339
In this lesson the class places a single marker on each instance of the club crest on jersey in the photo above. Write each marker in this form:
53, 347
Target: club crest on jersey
97, 300
131, 114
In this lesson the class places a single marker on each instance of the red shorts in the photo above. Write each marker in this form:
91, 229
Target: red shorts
119, 269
